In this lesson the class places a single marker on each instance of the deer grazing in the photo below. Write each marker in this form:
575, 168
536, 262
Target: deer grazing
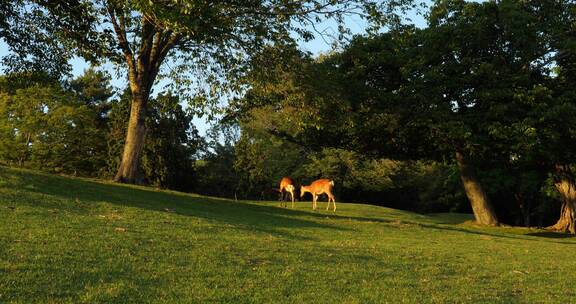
287, 185
319, 187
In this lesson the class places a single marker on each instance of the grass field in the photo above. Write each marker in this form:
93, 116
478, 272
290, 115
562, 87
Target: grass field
69, 240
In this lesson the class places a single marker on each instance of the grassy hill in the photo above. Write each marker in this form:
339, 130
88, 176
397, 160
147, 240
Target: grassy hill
69, 240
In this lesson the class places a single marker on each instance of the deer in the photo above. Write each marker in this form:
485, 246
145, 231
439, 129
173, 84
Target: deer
319, 187
287, 185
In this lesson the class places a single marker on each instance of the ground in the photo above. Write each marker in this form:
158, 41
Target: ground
71, 240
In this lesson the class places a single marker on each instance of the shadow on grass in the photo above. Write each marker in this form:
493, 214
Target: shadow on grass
451, 225
551, 235
79, 192
451, 218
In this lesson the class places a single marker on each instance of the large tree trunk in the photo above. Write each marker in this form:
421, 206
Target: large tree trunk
128, 171
566, 187
483, 211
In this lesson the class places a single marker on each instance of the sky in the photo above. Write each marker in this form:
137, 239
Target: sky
316, 46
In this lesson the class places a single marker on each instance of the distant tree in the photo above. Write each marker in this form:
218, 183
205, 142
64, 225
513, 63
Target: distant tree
93, 89
44, 127
216, 173
261, 159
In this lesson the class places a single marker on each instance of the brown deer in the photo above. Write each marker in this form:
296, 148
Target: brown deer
287, 185
319, 187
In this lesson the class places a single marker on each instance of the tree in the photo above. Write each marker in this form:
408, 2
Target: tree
93, 90
558, 125
211, 39
544, 133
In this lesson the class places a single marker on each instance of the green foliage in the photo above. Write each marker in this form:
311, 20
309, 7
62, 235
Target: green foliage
350, 170
45, 127
427, 186
262, 160
75, 128
208, 43
216, 174
35, 32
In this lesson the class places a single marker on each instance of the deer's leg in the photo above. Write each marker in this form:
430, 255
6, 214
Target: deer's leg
331, 199
314, 197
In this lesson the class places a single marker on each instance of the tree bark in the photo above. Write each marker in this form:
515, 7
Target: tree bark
128, 171
481, 206
566, 187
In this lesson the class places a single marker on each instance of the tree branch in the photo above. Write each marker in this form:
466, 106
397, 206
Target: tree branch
147, 37
165, 47
120, 30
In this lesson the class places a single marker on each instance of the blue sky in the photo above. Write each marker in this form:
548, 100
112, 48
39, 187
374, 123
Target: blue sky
315, 46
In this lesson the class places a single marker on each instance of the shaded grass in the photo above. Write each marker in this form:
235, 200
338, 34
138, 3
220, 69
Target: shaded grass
70, 240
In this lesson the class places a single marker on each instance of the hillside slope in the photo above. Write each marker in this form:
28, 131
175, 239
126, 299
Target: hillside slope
69, 240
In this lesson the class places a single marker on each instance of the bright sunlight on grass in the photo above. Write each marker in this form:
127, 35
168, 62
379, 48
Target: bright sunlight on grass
68, 240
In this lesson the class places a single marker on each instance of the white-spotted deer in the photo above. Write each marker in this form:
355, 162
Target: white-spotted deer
319, 187
287, 185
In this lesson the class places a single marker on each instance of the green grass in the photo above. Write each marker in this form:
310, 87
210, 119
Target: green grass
69, 240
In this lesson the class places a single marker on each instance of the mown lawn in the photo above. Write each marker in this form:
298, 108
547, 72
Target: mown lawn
68, 240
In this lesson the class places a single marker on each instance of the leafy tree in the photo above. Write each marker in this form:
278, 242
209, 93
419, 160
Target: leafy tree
205, 41
262, 160
549, 135
556, 130
93, 90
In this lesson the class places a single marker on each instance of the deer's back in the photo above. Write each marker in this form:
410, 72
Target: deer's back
321, 186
